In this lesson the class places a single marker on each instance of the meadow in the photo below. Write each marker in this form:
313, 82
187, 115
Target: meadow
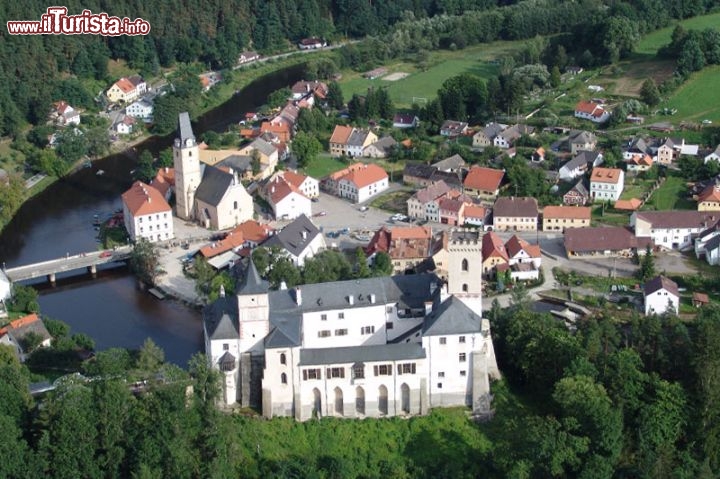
698, 98
650, 43
422, 84
322, 165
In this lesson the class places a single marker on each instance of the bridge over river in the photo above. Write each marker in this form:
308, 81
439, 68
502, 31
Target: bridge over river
89, 261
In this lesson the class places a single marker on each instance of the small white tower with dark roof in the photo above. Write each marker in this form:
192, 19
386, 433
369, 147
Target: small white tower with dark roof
186, 160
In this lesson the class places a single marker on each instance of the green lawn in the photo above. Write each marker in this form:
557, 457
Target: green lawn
670, 196
650, 44
323, 165
424, 84
609, 218
635, 188
699, 97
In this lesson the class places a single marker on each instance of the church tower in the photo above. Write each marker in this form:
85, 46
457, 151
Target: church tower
186, 160
253, 310
465, 266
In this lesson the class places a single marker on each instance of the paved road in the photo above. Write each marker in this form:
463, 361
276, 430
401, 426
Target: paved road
295, 52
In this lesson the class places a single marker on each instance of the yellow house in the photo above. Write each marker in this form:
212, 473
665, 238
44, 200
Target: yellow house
127, 89
709, 199
558, 218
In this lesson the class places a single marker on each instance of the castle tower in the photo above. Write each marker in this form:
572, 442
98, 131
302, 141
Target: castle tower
186, 160
253, 311
465, 266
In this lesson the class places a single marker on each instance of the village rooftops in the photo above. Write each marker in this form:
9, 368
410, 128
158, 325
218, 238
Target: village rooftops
365, 175
341, 134
606, 175
142, 199
296, 236
484, 179
567, 212
516, 244
661, 282
492, 246
512, 207
606, 238
432, 192
678, 219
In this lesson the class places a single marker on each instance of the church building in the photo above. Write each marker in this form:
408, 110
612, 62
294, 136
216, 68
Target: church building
375, 347
213, 196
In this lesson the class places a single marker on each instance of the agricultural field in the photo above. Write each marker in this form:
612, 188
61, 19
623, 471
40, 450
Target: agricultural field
323, 165
672, 195
422, 85
650, 44
698, 98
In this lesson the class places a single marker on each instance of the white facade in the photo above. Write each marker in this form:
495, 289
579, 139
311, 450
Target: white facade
314, 247
310, 187
660, 301
678, 236
153, 227
5, 288
292, 206
186, 160
600, 190
140, 109
348, 189
123, 128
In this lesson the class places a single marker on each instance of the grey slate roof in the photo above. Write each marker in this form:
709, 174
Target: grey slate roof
237, 162
713, 243
263, 146
184, 127
385, 144
418, 170
354, 354
408, 291
221, 318
291, 237
582, 137
450, 163
661, 282
285, 330
357, 137
452, 317
492, 130
213, 186
252, 283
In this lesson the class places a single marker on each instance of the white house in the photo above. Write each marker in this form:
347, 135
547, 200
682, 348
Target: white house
146, 213
300, 240
286, 200
405, 120
65, 114
524, 259
594, 112
5, 286
140, 109
580, 164
672, 229
703, 240
606, 184
375, 347
661, 294
127, 89
713, 156
308, 185
124, 125
712, 251
362, 183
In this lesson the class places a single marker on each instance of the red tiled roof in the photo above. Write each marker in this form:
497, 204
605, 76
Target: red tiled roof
125, 85
294, 178
278, 189
516, 244
605, 175
515, 207
365, 175
492, 246
232, 240
628, 205
164, 180
142, 199
411, 232
589, 108
641, 160
20, 322
254, 231
250, 230
606, 238
485, 179
341, 134
567, 212
700, 298
711, 194
402, 243
475, 211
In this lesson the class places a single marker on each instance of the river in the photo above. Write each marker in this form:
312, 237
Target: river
60, 220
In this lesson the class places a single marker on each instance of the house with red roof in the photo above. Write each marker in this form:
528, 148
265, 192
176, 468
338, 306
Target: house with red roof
588, 110
524, 259
127, 89
358, 182
286, 199
14, 333
494, 253
164, 182
65, 114
147, 214
241, 240
407, 246
307, 184
709, 199
483, 182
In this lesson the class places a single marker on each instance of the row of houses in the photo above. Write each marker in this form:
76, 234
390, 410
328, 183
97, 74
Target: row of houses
358, 142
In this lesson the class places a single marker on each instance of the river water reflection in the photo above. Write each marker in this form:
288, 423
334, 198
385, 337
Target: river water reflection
60, 220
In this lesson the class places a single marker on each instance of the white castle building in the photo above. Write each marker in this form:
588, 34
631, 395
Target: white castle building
373, 347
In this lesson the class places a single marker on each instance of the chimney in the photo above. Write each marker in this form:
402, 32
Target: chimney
283, 285
222, 291
304, 234
372, 298
351, 299
298, 296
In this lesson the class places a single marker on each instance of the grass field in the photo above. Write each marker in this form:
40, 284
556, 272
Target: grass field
635, 188
670, 196
699, 97
424, 84
650, 44
323, 165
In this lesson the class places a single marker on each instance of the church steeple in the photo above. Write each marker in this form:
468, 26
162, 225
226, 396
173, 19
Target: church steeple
252, 283
253, 309
186, 160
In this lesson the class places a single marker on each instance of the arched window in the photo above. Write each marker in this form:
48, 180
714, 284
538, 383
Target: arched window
283, 378
465, 288
465, 264
282, 358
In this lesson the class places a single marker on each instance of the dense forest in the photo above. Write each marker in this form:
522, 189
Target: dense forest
38, 70
604, 399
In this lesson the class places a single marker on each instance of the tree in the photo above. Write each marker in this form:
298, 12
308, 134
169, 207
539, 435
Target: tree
362, 270
382, 264
306, 148
71, 146
145, 170
151, 357
98, 142
144, 262
255, 162
279, 97
204, 274
706, 363
649, 92
555, 77
25, 299
647, 265
165, 160
335, 96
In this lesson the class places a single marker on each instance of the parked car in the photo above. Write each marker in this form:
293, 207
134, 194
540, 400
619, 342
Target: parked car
321, 213
106, 254
363, 208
